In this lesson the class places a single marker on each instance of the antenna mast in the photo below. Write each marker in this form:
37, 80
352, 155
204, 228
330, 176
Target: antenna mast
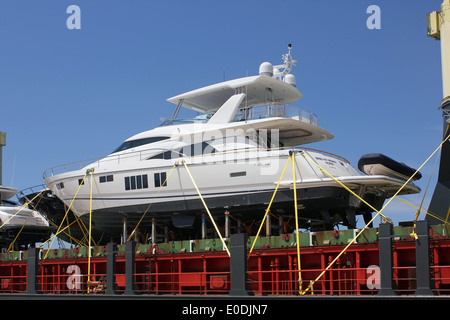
281, 70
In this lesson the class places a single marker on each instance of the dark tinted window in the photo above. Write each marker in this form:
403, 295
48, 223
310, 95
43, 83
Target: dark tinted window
198, 149
166, 155
139, 142
157, 177
160, 178
144, 181
164, 179
191, 150
136, 182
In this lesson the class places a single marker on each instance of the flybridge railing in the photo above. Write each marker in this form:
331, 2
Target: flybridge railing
257, 113
271, 111
308, 117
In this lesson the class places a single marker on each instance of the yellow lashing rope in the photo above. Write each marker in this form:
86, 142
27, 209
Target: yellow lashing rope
25, 205
148, 208
59, 230
338, 256
77, 241
206, 208
424, 211
83, 228
448, 212
23, 226
446, 217
345, 187
413, 233
296, 227
91, 172
292, 156
378, 213
268, 207
55, 235
68, 231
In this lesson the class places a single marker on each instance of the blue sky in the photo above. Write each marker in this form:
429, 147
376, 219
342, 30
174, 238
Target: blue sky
71, 95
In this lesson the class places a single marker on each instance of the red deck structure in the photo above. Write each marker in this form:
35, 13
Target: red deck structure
271, 271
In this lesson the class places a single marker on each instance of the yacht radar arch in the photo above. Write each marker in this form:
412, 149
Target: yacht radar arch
282, 70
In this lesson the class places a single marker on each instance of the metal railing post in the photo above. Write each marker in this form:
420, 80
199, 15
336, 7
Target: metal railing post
32, 271
238, 265
130, 286
111, 285
424, 286
385, 257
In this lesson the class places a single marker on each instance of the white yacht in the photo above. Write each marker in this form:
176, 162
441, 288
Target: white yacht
236, 149
28, 225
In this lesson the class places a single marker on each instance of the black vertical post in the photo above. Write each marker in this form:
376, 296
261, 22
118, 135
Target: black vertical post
385, 256
111, 285
130, 247
32, 271
238, 265
439, 201
423, 259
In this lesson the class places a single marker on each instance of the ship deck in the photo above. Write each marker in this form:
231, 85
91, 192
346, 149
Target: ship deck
203, 267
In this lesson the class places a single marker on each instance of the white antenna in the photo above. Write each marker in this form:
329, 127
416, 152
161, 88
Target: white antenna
281, 70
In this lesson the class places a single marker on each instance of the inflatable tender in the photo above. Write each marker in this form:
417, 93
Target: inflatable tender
379, 164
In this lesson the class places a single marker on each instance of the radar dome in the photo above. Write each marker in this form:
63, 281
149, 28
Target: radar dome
266, 69
290, 79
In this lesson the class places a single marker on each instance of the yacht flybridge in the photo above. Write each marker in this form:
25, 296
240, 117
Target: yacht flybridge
236, 151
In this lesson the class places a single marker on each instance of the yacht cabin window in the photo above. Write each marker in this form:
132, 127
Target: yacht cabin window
104, 179
160, 178
136, 182
189, 151
139, 142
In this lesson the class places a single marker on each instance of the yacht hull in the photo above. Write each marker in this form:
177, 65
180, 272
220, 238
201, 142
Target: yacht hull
319, 209
244, 187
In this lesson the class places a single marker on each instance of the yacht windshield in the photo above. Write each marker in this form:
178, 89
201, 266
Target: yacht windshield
200, 118
138, 142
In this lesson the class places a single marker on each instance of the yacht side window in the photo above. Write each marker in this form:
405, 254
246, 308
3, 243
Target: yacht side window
167, 155
138, 142
136, 182
197, 149
191, 150
104, 179
160, 178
